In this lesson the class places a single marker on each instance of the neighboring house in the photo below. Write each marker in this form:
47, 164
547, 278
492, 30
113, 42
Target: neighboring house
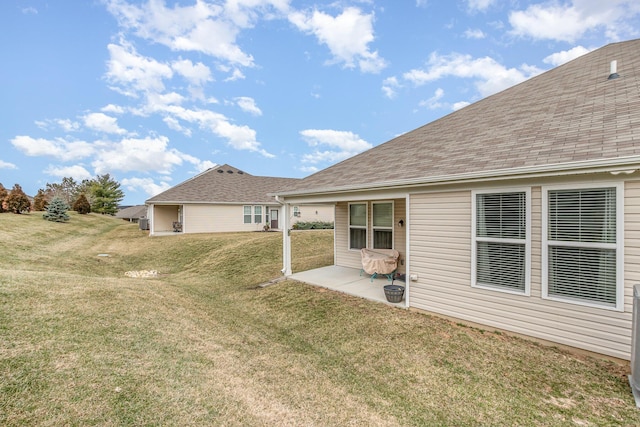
132, 213
226, 199
519, 212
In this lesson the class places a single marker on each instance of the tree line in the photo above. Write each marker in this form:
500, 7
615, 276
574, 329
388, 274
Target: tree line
101, 194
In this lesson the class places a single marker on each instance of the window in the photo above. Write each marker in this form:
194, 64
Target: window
582, 245
382, 225
257, 214
247, 214
501, 241
357, 225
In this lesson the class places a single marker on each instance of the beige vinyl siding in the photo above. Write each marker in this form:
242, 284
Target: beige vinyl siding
400, 233
441, 257
164, 217
351, 258
344, 256
206, 218
311, 213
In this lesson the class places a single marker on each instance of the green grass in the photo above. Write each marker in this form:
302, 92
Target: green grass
202, 344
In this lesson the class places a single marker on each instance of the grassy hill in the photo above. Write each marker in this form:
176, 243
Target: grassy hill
202, 344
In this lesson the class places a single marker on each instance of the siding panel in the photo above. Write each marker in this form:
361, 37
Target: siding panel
441, 257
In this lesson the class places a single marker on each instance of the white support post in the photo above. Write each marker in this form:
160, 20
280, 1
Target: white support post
286, 240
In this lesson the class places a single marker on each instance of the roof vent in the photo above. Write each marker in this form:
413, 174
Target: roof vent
614, 71
240, 172
220, 171
229, 171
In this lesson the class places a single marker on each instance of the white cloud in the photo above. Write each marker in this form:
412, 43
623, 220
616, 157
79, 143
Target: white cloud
459, 105
474, 34
480, 5
203, 27
565, 56
132, 73
102, 123
59, 148
433, 102
389, 87
7, 165
347, 36
137, 154
570, 21
195, 74
65, 124
147, 185
490, 76
238, 137
114, 109
235, 75
342, 145
77, 172
249, 105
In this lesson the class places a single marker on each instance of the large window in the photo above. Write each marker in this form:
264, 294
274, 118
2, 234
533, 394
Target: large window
382, 225
582, 247
247, 214
357, 225
501, 240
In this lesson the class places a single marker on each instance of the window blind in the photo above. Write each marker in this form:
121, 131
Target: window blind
581, 238
501, 234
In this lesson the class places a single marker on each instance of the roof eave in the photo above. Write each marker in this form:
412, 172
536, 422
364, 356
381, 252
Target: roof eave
618, 165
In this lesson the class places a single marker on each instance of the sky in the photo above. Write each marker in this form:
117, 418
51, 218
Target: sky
155, 92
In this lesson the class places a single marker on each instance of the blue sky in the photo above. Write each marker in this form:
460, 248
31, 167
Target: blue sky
154, 92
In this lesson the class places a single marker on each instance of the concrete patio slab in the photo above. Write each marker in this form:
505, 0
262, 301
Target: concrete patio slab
349, 281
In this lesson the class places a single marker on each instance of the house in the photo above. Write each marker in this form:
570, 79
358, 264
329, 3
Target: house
226, 199
132, 213
520, 212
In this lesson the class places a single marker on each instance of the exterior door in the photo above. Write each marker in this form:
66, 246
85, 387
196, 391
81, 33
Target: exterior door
274, 219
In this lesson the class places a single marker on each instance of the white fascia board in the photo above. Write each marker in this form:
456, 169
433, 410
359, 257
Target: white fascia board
622, 165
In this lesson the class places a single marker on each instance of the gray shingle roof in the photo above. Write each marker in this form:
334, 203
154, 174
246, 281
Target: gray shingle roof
138, 211
568, 114
224, 184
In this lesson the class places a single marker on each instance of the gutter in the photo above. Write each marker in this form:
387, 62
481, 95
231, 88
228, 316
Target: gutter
615, 166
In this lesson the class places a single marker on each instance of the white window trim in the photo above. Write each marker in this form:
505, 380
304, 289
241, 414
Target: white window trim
244, 214
255, 216
391, 228
619, 245
349, 226
475, 239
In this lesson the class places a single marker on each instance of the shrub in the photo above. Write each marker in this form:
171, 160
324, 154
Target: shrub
312, 225
17, 202
82, 205
3, 195
57, 210
40, 201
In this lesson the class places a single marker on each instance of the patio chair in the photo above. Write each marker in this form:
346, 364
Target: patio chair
379, 262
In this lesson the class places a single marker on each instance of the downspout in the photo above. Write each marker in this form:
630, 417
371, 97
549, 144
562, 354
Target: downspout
407, 260
286, 239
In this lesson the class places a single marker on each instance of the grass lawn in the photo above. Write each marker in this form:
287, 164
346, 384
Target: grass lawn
201, 344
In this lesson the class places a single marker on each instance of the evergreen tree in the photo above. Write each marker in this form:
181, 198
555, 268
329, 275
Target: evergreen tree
57, 211
3, 195
82, 205
106, 194
40, 201
17, 202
